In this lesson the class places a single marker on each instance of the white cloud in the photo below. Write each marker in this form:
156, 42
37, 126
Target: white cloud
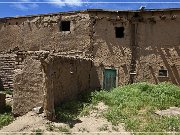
58, 3
25, 6
62, 3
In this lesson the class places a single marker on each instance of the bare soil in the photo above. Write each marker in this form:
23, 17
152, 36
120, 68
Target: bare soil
94, 123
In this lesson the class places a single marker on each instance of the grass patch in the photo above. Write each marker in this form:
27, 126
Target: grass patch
70, 111
38, 131
63, 129
135, 105
5, 116
7, 91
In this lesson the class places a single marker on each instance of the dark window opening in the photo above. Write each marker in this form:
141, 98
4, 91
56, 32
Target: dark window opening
16, 23
119, 32
163, 73
65, 26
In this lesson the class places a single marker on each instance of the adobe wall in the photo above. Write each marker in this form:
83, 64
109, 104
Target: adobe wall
48, 79
28, 87
147, 45
158, 39
43, 33
109, 51
36, 33
7, 66
65, 78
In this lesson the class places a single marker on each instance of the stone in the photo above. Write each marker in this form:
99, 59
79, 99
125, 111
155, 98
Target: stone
38, 110
172, 111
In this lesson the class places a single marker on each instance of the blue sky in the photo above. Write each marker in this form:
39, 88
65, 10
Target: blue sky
10, 8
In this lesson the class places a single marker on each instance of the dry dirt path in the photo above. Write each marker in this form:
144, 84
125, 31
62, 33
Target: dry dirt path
92, 124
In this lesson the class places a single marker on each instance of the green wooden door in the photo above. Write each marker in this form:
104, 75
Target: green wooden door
109, 80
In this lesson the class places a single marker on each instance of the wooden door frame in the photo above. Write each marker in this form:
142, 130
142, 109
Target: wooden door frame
117, 74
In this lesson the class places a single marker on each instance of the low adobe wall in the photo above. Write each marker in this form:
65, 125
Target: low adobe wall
65, 78
48, 81
28, 87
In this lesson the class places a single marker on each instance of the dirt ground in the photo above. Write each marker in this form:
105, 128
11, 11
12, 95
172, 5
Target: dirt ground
32, 123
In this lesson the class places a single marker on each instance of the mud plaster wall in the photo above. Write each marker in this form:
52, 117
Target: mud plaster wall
28, 87
144, 48
43, 33
159, 45
69, 76
65, 78
109, 51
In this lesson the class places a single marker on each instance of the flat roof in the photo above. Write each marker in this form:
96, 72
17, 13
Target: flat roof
94, 10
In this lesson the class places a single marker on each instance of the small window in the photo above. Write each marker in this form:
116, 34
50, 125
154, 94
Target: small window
119, 32
163, 73
65, 26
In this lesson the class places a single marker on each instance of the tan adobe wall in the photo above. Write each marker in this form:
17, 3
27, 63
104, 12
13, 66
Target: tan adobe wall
145, 48
159, 46
65, 78
47, 80
43, 33
28, 87
109, 51
7, 66
69, 76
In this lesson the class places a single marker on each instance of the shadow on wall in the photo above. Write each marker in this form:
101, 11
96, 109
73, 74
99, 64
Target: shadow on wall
65, 78
172, 69
71, 76
167, 59
1, 85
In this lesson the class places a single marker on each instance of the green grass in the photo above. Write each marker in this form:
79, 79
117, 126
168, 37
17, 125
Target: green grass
38, 131
70, 111
134, 105
7, 91
5, 116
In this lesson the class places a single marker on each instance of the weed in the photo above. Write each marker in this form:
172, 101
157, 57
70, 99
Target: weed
82, 129
7, 91
63, 129
50, 127
38, 131
104, 127
135, 105
5, 116
115, 128
70, 111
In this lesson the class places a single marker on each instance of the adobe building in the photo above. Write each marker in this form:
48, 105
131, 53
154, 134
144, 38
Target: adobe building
110, 48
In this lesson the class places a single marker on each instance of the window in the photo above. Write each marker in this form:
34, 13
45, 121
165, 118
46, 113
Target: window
163, 73
65, 26
119, 32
